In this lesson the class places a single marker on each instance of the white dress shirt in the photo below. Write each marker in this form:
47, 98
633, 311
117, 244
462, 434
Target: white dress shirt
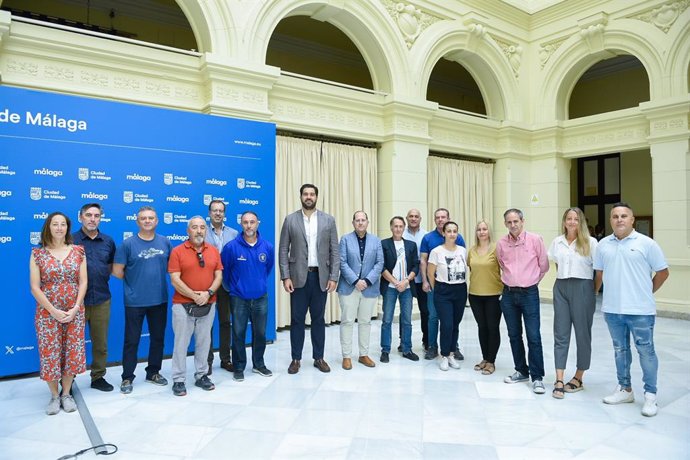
311, 227
571, 264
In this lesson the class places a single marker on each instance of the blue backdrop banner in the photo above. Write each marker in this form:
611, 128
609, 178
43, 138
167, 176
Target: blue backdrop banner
59, 152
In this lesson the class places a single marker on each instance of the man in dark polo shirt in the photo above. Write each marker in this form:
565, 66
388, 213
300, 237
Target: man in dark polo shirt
100, 250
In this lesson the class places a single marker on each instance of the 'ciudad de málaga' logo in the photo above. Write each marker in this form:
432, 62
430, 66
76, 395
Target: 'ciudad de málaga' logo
168, 217
128, 196
83, 174
167, 178
35, 193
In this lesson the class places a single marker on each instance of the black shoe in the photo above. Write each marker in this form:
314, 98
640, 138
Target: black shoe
263, 371
457, 355
411, 355
205, 383
227, 365
238, 376
101, 384
179, 389
384, 357
431, 353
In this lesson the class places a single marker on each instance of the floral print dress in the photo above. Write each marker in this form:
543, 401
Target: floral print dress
60, 345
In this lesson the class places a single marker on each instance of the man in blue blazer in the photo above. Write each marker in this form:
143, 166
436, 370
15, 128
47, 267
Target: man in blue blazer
361, 262
309, 268
400, 266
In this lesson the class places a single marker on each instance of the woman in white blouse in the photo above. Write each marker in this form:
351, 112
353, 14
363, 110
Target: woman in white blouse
574, 300
446, 269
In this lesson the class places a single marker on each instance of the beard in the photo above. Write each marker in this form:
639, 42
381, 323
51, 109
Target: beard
308, 207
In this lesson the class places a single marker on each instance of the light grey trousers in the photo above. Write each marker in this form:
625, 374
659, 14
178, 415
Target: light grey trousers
574, 303
183, 327
352, 306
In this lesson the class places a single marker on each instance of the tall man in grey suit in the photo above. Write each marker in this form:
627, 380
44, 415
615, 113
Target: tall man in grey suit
361, 263
309, 263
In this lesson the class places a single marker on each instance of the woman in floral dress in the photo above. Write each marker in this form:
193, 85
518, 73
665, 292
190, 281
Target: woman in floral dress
58, 283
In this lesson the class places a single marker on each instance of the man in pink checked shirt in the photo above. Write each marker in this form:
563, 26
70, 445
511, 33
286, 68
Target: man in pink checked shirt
523, 260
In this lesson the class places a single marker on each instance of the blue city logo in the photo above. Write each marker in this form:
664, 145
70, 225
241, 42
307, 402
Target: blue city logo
35, 193
167, 178
128, 196
83, 174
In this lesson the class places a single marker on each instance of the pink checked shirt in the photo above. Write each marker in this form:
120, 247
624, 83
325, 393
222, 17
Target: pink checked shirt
523, 260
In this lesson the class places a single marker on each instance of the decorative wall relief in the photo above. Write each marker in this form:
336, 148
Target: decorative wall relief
411, 21
664, 16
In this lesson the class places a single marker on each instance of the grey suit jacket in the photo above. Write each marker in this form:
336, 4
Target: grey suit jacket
293, 252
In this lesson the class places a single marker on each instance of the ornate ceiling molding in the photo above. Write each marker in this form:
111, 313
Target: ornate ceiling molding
664, 16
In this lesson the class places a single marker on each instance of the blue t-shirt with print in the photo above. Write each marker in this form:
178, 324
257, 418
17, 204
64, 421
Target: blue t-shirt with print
146, 270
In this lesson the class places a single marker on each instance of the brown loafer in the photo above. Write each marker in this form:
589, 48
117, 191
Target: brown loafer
294, 367
347, 364
367, 361
321, 365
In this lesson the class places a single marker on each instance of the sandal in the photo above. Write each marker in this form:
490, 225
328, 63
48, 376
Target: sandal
557, 392
570, 387
489, 369
480, 366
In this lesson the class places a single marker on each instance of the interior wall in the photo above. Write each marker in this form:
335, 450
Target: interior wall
636, 181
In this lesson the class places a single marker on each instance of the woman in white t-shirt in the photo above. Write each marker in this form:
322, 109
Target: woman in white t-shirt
447, 266
574, 300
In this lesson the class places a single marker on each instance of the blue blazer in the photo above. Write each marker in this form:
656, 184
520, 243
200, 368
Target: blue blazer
352, 268
390, 258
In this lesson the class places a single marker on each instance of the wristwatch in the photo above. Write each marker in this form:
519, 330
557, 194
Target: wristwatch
211, 292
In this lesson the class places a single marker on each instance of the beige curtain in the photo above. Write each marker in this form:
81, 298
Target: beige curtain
346, 178
465, 188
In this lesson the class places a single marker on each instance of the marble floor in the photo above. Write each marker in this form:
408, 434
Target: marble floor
401, 410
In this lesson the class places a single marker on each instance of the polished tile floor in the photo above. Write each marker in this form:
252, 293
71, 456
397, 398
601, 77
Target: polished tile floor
399, 410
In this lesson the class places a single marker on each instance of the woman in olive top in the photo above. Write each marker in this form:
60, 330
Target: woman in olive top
485, 290
446, 270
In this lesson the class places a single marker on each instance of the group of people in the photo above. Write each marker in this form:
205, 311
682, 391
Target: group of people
215, 267
218, 268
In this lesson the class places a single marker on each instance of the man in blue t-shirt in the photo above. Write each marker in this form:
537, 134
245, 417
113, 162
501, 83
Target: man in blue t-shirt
142, 262
430, 241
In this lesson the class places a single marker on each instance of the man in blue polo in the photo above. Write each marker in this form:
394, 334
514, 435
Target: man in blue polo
429, 242
100, 251
248, 261
624, 262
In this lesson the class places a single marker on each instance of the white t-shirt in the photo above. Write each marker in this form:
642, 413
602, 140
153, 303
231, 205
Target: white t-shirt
451, 266
400, 269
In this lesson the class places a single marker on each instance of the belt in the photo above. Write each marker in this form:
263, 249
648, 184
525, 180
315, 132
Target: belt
520, 289
312, 269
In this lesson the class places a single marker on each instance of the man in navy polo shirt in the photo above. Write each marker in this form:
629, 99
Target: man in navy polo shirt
429, 242
100, 251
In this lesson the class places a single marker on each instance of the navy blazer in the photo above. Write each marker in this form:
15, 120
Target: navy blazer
390, 257
352, 268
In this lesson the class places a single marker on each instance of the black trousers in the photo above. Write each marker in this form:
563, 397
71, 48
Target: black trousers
487, 313
310, 298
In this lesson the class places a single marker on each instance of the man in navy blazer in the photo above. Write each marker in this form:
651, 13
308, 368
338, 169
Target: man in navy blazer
361, 262
309, 268
400, 266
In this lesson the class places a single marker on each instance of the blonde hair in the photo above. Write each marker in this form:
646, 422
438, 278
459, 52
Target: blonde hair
582, 232
476, 227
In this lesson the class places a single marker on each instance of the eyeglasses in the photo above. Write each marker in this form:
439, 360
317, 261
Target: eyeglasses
200, 257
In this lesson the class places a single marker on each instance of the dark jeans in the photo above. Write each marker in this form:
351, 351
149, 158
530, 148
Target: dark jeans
449, 300
156, 319
487, 313
423, 313
310, 298
224, 310
518, 304
243, 310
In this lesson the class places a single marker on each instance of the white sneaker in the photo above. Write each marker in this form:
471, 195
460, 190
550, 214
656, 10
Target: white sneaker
452, 362
538, 387
620, 396
443, 363
650, 408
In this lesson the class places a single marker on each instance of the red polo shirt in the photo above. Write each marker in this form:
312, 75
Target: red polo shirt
184, 260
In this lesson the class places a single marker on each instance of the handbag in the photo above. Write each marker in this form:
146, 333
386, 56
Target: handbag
196, 311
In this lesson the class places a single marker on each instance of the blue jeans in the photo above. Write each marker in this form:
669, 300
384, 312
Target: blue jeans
520, 304
450, 300
242, 310
433, 320
390, 295
642, 329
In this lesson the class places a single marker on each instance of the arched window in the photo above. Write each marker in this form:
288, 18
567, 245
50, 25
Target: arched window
451, 85
154, 21
612, 84
309, 47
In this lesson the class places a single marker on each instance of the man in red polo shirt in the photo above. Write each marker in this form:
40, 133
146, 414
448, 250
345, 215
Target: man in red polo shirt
196, 273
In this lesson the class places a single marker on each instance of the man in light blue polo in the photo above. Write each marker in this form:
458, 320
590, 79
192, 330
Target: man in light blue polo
625, 261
